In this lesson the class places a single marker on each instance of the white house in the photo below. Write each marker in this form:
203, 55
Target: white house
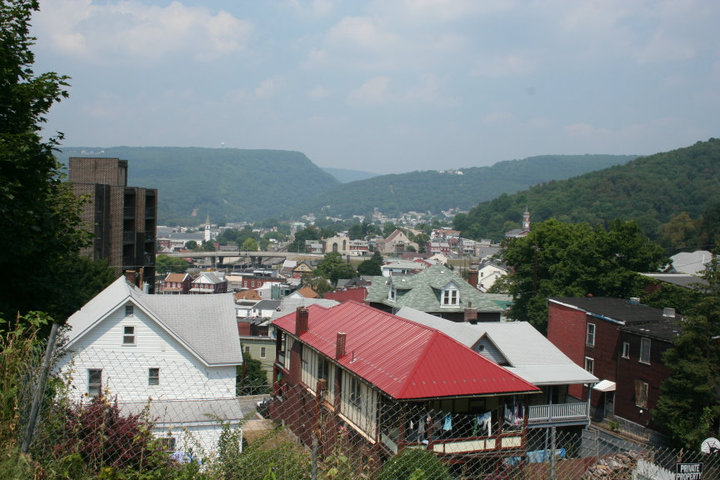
490, 271
175, 352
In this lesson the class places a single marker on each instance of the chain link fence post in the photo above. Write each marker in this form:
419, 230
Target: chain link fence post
39, 389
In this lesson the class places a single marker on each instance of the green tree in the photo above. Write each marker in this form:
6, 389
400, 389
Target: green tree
165, 264
252, 379
41, 215
371, 266
191, 245
250, 245
689, 404
309, 233
565, 259
333, 268
388, 228
355, 232
208, 246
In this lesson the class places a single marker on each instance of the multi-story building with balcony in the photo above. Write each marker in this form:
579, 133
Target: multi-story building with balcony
392, 384
122, 218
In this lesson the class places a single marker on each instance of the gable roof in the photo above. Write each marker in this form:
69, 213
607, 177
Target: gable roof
422, 291
530, 355
404, 359
307, 292
176, 277
250, 294
203, 324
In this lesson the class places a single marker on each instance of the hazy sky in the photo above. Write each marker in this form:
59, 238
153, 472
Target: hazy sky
386, 86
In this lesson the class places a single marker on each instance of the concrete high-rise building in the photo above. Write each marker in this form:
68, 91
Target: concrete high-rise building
123, 218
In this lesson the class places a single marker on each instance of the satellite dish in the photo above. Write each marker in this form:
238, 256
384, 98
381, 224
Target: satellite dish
710, 445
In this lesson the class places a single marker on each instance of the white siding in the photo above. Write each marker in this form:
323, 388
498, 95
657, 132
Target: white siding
360, 409
310, 365
125, 367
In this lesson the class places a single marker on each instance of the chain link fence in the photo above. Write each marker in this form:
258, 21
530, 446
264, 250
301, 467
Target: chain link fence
113, 433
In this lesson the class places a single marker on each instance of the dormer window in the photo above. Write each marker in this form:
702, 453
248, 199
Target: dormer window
450, 297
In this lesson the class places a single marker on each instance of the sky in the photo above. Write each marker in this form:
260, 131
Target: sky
386, 86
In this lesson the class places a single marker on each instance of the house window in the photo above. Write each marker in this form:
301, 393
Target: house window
355, 395
128, 335
129, 310
645, 350
641, 394
153, 376
392, 294
450, 297
590, 335
167, 443
589, 364
262, 352
626, 350
323, 368
94, 381
247, 350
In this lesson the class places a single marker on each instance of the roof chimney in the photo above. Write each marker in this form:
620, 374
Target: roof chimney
131, 276
470, 314
668, 312
472, 278
340, 345
301, 321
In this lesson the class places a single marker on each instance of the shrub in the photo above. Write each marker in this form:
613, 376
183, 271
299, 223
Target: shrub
414, 464
96, 438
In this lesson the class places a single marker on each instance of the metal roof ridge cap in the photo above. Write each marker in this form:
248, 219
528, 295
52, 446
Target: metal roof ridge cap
433, 338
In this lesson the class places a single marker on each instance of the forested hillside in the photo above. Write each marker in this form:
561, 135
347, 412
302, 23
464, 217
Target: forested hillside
345, 176
228, 184
434, 191
651, 190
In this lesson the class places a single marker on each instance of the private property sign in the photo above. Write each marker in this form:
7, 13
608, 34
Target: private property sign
688, 471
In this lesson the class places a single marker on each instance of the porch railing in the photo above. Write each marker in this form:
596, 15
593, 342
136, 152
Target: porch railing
558, 413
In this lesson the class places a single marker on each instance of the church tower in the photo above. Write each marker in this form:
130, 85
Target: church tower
526, 220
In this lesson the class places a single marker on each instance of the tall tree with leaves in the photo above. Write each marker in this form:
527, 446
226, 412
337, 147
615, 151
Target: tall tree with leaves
40, 214
565, 259
689, 404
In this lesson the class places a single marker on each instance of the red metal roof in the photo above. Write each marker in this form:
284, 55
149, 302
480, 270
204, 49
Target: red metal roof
404, 359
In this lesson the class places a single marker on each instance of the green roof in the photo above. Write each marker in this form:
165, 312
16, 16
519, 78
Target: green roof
423, 291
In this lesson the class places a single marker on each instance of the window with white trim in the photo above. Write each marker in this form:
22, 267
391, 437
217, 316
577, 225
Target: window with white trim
450, 297
262, 352
589, 364
645, 350
590, 335
626, 350
153, 376
128, 335
94, 381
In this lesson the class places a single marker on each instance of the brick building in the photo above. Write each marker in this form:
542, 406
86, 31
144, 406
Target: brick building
122, 218
621, 342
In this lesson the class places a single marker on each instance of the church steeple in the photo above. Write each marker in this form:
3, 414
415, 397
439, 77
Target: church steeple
526, 220
208, 236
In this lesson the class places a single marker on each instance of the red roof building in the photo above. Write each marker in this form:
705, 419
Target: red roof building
357, 294
358, 363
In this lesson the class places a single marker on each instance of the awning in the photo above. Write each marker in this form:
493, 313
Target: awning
605, 386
